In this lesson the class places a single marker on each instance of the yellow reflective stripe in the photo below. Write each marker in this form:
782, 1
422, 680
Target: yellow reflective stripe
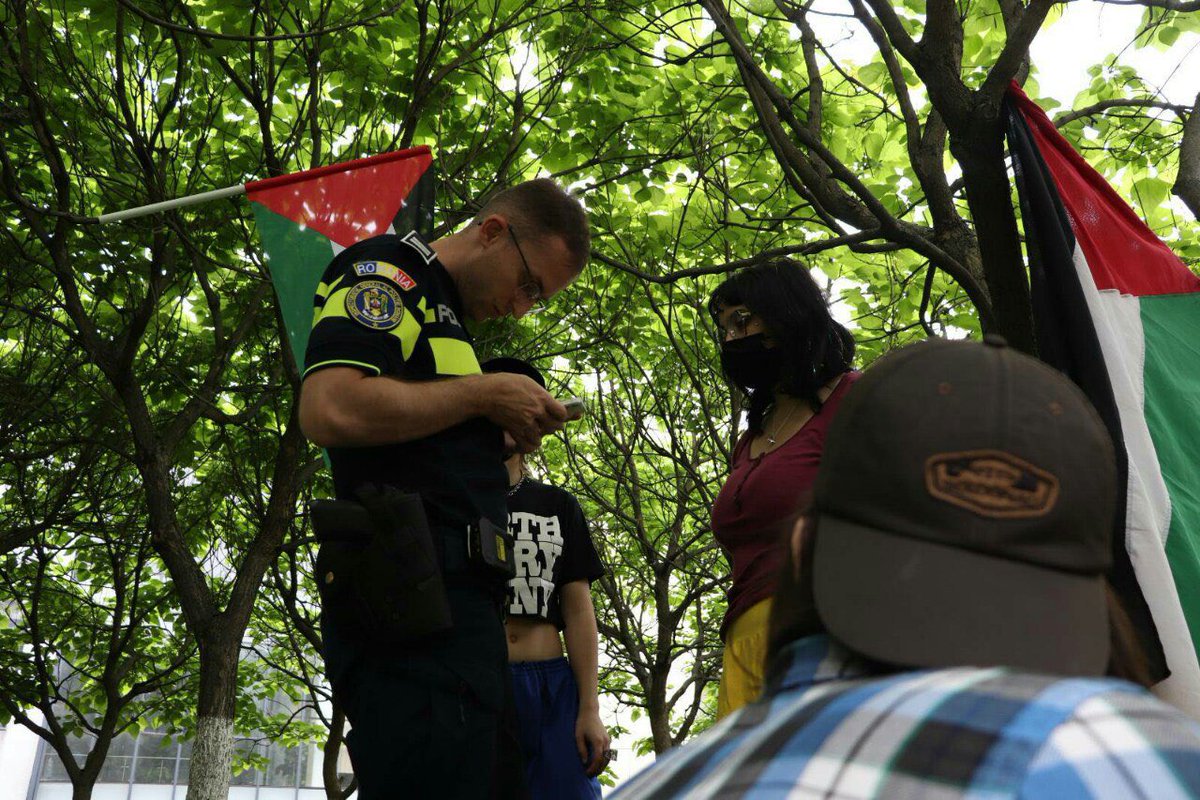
426, 313
335, 306
408, 331
323, 289
343, 362
453, 357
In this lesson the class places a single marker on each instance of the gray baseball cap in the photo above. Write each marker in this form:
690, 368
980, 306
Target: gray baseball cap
965, 507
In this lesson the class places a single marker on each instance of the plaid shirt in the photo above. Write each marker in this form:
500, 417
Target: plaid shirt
827, 729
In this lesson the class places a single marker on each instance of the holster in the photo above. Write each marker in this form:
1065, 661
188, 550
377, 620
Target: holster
377, 569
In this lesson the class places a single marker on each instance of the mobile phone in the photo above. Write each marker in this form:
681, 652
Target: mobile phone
576, 407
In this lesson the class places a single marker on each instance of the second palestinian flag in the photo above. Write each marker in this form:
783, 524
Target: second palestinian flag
1120, 313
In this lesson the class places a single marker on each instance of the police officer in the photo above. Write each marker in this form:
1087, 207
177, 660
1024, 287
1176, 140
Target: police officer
393, 390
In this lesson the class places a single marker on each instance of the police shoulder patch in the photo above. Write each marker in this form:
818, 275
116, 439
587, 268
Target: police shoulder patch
385, 270
374, 304
414, 240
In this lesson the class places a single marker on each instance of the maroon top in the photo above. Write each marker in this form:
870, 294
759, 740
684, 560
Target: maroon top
759, 503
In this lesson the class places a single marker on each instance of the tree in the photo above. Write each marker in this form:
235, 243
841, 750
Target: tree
286, 637
87, 636
116, 106
703, 136
866, 152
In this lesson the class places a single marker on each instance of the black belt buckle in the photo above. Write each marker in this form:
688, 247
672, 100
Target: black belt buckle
491, 547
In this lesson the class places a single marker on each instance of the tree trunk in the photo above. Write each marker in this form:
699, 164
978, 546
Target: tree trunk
1187, 182
212, 759
212, 752
659, 713
84, 783
330, 753
989, 194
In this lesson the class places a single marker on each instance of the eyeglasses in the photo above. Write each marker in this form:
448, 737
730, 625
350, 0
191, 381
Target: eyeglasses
737, 324
532, 287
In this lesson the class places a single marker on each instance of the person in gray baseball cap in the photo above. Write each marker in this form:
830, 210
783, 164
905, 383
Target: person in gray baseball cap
968, 518
943, 626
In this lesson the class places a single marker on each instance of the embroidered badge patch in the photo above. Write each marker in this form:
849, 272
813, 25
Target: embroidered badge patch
375, 305
385, 270
991, 483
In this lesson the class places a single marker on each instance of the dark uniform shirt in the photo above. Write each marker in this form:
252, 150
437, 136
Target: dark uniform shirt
387, 306
552, 548
420, 709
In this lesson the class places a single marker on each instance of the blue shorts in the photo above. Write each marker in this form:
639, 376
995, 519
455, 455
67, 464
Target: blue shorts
547, 703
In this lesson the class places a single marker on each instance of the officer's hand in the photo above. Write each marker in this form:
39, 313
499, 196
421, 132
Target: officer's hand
526, 411
591, 740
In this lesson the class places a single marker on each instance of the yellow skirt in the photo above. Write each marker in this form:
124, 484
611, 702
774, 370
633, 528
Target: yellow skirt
742, 666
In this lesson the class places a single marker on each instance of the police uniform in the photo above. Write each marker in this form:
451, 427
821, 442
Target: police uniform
423, 714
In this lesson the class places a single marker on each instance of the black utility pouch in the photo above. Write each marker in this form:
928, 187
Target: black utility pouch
377, 569
490, 548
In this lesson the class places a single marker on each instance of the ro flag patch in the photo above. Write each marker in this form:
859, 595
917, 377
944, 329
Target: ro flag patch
385, 270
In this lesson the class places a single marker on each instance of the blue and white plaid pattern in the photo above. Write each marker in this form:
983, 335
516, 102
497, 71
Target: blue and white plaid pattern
827, 729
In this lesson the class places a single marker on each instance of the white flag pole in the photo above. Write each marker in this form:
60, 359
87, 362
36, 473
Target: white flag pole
278, 180
179, 202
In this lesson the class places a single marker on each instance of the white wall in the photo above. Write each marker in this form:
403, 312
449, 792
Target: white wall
18, 752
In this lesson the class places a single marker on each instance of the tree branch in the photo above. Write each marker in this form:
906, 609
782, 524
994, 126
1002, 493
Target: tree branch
1067, 117
283, 37
1169, 5
730, 266
890, 21
907, 234
1016, 50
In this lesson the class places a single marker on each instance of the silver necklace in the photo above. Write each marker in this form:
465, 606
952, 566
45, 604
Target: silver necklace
513, 489
779, 427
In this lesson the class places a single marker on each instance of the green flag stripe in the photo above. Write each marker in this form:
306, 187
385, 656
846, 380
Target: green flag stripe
1171, 328
296, 258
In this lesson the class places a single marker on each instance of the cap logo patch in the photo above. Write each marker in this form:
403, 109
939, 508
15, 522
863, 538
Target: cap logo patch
991, 483
375, 305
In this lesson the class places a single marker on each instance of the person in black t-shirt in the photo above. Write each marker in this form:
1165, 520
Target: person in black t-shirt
564, 743
393, 390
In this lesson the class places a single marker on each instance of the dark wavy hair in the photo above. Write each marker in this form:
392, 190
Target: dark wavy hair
815, 347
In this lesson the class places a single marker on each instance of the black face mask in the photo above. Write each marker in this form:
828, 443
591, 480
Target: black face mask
750, 363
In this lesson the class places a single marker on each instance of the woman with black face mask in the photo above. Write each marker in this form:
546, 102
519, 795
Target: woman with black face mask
781, 348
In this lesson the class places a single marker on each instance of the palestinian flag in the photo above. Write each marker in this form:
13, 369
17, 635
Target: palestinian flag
306, 218
1116, 310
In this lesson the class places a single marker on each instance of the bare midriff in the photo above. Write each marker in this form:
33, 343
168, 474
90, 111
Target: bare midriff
532, 639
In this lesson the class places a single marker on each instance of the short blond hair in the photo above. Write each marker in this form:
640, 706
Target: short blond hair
543, 208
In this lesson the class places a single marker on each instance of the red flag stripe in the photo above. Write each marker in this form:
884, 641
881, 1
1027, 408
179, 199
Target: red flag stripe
344, 166
345, 202
1122, 252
